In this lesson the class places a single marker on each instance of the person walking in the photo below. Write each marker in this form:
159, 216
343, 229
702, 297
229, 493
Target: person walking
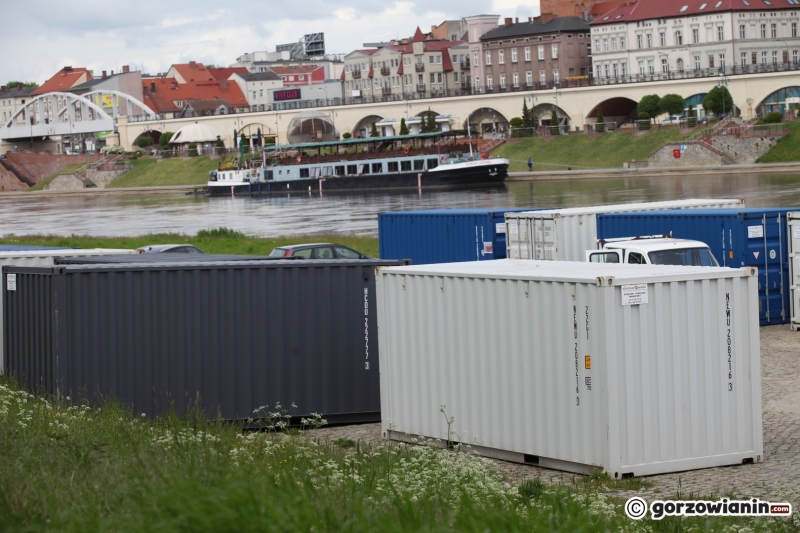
530, 165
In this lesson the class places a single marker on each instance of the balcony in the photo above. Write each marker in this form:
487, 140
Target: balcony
421, 88
387, 90
385, 71
356, 73
465, 65
529, 85
419, 67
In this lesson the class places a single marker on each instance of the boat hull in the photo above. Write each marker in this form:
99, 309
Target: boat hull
486, 175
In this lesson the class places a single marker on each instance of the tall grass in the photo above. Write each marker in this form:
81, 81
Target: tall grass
81, 468
787, 149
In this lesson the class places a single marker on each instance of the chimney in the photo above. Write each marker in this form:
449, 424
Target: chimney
67, 69
508, 21
530, 19
3, 89
192, 64
105, 74
223, 84
112, 72
547, 17
516, 20
126, 68
19, 86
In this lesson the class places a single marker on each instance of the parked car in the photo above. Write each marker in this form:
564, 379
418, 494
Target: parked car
318, 251
673, 119
169, 249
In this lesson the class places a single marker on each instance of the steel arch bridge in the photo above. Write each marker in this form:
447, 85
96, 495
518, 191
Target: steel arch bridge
60, 113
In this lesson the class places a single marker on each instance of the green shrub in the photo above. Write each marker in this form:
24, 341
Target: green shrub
644, 120
192, 150
600, 126
403, 128
346, 135
164, 139
692, 117
516, 122
773, 118
143, 141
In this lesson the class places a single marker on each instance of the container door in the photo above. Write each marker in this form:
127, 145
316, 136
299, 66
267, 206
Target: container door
794, 267
766, 249
518, 237
545, 242
498, 233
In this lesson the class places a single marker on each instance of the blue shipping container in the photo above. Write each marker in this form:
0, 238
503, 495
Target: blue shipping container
28, 248
445, 235
738, 237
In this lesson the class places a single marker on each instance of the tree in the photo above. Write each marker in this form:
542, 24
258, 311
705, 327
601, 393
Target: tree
718, 101
192, 150
346, 135
373, 132
164, 139
554, 128
518, 128
13, 84
692, 117
527, 118
403, 127
600, 127
672, 104
649, 104
644, 120
144, 141
220, 146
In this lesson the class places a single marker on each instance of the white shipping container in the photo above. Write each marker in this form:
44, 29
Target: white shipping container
793, 219
632, 369
566, 234
42, 258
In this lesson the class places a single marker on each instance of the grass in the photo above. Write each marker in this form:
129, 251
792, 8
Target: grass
148, 172
74, 468
215, 241
66, 170
581, 151
787, 149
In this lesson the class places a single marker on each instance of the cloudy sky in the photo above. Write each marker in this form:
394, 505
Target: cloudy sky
41, 36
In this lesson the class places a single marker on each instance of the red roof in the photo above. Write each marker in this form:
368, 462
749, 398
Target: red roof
160, 94
418, 36
66, 78
655, 9
221, 90
225, 73
193, 71
602, 8
342, 76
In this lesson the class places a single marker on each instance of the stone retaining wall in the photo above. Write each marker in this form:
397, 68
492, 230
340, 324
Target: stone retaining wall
744, 150
36, 166
695, 155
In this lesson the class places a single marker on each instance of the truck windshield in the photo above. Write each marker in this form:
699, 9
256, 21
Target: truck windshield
684, 257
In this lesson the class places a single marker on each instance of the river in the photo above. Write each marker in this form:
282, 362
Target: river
357, 214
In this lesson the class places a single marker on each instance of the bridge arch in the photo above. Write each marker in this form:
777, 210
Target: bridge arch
115, 104
543, 114
779, 100
56, 113
617, 109
484, 121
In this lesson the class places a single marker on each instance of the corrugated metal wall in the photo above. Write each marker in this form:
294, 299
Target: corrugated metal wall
566, 234
507, 356
737, 237
794, 267
239, 334
444, 235
43, 256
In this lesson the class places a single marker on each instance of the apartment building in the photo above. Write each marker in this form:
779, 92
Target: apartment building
12, 99
658, 39
538, 53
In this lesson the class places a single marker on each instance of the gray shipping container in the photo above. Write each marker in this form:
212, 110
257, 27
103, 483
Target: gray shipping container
162, 258
239, 334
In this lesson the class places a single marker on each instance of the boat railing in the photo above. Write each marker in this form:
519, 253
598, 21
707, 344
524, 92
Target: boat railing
293, 157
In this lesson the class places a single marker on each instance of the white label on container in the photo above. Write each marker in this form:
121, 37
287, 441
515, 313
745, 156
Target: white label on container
755, 232
634, 294
772, 254
796, 231
488, 248
512, 227
11, 282
500, 227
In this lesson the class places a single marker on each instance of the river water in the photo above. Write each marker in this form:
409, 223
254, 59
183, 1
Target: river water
358, 214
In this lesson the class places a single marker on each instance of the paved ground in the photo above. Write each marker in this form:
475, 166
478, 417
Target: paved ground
776, 479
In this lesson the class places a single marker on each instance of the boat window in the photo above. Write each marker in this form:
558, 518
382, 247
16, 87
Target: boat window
352, 170
327, 171
269, 175
303, 172
377, 168
340, 170
419, 164
393, 167
363, 169
405, 166
433, 163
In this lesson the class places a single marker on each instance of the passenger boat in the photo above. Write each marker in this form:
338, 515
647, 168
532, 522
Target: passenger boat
421, 161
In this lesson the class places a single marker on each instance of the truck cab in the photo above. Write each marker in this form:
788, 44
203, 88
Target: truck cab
655, 250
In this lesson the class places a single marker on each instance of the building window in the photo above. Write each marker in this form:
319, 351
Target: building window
455, 77
710, 61
543, 77
651, 69
680, 65
513, 55
722, 62
744, 59
763, 31
541, 51
439, 78
742, 31
599, 73
697, 62
477, 59
664, 66
678, 38
615, 70
662, 37
649, 40
502, 81
720, 33
774, 58
529, 78
489, 84
431, 59
695, 35
488, 58
774, 30
641, 68
555, 76
622, 43
794, 57
624, 69
753, 57
794, 29
596, 46
439, 59
527, 53
554, 51
764, 58
605, 45
614, 44
516, 80
433, 77
501, 57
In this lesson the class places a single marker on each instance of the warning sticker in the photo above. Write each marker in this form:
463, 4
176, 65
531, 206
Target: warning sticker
488, 248
500, 227
756, 254
634, 294
755, 232
11, 282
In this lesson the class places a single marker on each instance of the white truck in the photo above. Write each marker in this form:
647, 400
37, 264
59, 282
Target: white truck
653, 250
